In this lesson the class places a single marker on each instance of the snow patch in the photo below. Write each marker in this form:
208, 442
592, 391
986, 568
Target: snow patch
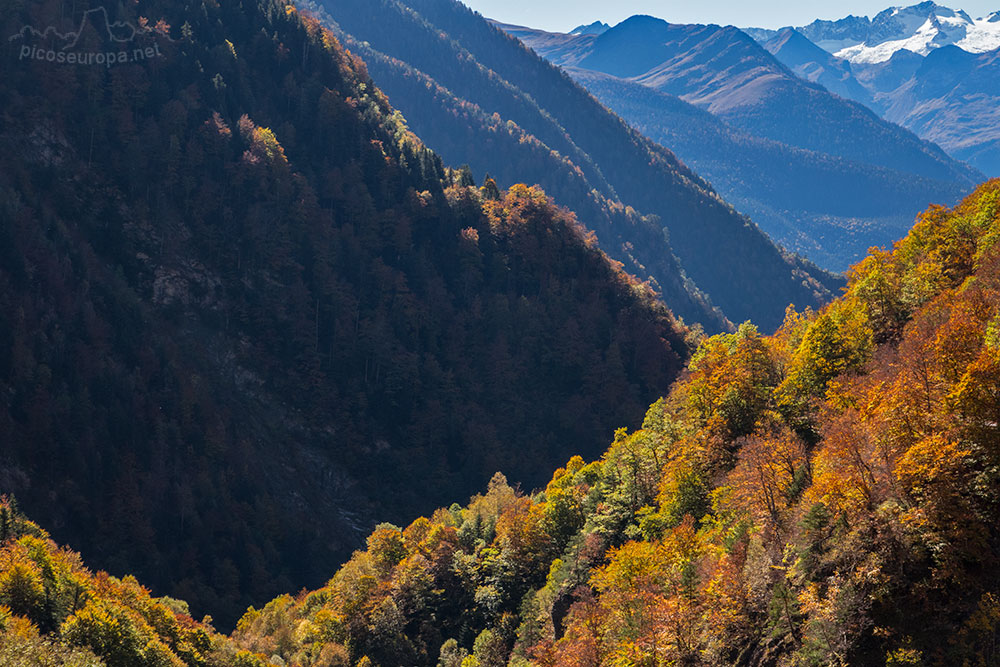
920, 29
983, 36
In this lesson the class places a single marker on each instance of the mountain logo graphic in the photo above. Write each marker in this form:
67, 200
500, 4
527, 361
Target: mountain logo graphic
120, 32
97, 41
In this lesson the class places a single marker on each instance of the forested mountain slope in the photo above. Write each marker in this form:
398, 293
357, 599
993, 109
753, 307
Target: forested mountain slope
463, 133
239, 300
416, 46
54, 612
826, 495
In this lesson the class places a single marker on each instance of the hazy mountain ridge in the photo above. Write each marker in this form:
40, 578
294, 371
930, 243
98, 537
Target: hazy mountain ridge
952, 99
726, 72
595, 28
776, 184
769, 122
812, 63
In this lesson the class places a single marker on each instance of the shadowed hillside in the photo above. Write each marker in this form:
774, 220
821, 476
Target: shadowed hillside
240, 300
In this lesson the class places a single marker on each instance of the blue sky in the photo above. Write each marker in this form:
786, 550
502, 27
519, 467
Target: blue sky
564, 15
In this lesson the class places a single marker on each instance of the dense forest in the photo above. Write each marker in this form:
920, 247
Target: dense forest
239, 300
251, 326
56, 613
462, 132
826, 495
458, 78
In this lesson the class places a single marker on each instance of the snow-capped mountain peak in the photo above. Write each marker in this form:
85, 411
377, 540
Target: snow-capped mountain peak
917, 28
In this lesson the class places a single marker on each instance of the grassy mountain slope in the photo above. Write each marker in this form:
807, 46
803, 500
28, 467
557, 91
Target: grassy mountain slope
721, 251
239, 300
810, 62
795, 195
951, 99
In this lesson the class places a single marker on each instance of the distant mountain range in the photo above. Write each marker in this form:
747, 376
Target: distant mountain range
919, 28
930, 68
783, 149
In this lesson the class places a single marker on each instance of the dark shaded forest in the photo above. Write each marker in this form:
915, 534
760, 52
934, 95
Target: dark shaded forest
239, 300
